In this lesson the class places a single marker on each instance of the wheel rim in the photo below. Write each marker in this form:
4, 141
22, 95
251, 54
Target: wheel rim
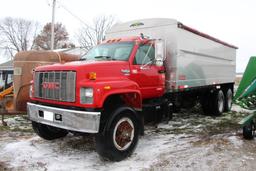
123, 134
229, 99
253, 129
220, 102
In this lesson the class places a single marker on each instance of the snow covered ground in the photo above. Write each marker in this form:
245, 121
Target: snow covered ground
191, 141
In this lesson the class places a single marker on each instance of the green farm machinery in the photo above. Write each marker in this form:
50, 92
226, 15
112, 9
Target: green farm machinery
246, 98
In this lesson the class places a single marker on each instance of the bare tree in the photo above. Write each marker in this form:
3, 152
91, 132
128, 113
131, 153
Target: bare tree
92, 35
17, 35
61, 39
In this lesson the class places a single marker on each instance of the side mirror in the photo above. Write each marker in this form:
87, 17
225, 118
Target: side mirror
159, 52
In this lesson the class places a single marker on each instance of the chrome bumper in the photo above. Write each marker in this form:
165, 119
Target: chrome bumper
81, 121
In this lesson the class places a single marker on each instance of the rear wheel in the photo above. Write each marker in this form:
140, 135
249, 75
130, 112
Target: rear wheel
249, 131
228, 100
48, 132
218, 103
206, 103
120, 135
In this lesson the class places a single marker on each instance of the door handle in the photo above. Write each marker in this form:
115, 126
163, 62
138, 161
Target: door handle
144, 67
125, 71
161, 71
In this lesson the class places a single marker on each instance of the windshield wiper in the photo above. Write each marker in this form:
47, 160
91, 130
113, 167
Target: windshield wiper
102, 56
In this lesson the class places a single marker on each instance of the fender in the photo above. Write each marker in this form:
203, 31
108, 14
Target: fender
128, 89
132, 97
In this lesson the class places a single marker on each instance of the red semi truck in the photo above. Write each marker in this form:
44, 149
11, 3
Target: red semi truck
152, 63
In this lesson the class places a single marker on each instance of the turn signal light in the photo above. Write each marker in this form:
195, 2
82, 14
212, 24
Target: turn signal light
92, 76
107, 87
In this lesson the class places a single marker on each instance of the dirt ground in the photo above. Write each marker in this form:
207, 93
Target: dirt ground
191, 141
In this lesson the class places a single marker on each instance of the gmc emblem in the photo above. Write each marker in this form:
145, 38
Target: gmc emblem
50, 85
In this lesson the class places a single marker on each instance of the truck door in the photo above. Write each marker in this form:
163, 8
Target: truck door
149, 77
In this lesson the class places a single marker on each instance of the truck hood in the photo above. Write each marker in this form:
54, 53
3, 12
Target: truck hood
78, 65
104, 69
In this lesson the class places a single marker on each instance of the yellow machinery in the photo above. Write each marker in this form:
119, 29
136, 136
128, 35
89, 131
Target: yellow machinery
6, 101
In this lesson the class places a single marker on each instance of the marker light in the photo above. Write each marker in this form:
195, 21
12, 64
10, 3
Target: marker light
92, 76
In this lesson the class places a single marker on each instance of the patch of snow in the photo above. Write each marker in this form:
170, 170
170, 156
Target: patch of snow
16, 121
165, 126
239, 109
60, 155
236, 141
177, 145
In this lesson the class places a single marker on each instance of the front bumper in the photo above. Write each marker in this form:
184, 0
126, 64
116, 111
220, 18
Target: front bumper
74, 120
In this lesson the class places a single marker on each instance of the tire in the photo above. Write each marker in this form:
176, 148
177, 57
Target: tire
48, 132
167, 111
206, 103
228, 100
218, 103
112, 142
249, 131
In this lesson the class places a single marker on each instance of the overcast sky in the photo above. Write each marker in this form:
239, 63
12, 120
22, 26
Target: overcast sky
233, 21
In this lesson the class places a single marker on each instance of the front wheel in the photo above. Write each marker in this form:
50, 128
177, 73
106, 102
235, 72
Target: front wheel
120, 135
48, 132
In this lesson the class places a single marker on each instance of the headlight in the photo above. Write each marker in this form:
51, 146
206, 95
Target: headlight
86, 95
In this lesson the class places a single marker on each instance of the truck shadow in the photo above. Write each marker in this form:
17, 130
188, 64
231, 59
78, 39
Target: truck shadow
190, 122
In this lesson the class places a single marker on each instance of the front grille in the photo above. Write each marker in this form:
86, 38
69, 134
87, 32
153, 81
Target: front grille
55, 85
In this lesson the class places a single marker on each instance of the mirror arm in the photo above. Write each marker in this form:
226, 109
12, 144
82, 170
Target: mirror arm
147, 64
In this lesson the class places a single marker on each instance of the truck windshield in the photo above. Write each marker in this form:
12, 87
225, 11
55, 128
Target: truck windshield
110, 51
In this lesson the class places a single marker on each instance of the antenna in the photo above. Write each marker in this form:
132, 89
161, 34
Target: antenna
52, 25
